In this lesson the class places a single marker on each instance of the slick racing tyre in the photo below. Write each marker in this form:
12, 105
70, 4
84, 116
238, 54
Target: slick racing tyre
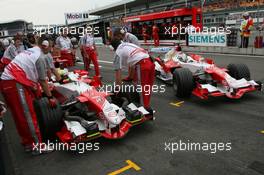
183, 82
49, 119
239, 71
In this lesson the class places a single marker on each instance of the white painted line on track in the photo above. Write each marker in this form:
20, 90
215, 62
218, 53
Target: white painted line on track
102, 61
91, 64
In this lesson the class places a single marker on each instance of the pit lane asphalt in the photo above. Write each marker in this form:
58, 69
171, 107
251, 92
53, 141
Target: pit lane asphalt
215, 120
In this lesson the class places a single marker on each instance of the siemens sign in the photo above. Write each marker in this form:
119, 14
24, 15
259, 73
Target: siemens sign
207, 39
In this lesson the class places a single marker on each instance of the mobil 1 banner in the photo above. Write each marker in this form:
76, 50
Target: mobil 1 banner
71, 18
208, 39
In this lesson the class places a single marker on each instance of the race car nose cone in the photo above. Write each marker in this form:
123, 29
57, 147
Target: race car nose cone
113, 118
115, 121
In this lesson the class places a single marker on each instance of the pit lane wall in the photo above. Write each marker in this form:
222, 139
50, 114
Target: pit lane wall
225, 50
219, 44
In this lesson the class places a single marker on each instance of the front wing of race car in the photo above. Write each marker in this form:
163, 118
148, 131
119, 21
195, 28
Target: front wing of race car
206, 90
67, 135
84, 113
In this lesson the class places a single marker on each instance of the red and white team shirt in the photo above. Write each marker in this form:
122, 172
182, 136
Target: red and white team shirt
11, 52
128, 54
64, 43
23, 68
87, 41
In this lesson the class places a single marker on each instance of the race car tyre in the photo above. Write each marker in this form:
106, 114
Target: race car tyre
183, 82
49, 119
239, 71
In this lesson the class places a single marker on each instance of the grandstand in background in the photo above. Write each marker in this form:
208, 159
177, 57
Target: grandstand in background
215, 11
12, 27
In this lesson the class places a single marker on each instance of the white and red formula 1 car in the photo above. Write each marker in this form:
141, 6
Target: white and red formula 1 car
194, 74
84, 113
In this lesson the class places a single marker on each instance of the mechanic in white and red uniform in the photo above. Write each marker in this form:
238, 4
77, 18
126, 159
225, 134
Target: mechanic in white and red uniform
20, 87
63, 42
155, 35
125, 36
89, 53
128, 54
12, 51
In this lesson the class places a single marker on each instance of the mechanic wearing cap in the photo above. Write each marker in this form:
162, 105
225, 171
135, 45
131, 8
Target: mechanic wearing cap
245, 29
49, 61
20, 86
155, 35
125, 36
134, 56
89, 53
63, 42
12, 51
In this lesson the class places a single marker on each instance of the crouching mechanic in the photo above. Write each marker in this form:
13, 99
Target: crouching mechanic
128, 54
20, 87
125, 36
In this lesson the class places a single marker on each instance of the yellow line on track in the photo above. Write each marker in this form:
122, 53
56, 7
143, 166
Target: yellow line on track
130, 165
177, 104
